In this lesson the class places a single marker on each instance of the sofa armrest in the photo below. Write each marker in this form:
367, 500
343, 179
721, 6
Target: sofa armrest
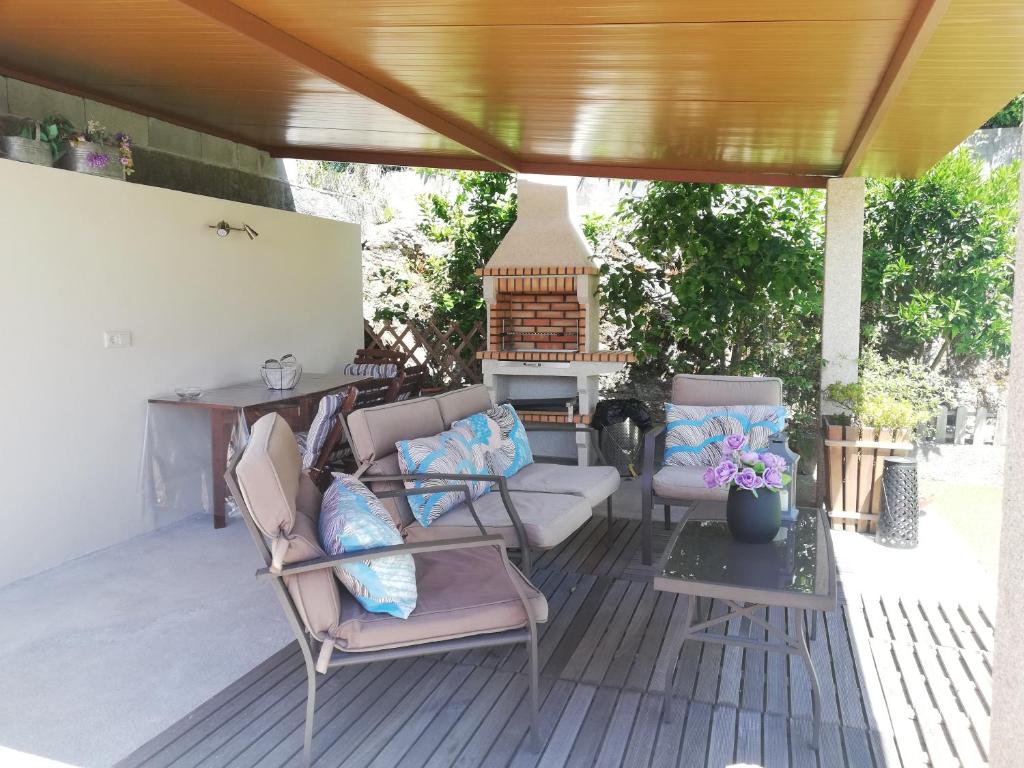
320, 563
463, 489
651, 439
586, 428
506, 500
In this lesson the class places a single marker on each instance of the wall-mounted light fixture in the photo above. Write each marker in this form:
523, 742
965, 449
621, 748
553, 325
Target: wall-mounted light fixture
224, 229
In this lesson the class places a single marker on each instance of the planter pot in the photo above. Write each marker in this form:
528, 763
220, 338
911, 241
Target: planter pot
853, 461
81, 158
753, 519
25, 150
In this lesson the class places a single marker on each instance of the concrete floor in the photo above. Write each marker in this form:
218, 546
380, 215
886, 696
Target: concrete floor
101, 654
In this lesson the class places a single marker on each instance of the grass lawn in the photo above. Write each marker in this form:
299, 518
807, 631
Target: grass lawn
974, 512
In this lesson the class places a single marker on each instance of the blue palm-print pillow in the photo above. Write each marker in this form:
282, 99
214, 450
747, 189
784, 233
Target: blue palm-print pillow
352, 519
512, 451
694, 434
451, 452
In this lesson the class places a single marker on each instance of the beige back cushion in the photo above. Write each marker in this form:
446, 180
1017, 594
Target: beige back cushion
691, 389
376, 430
285, 502
460, 403
268, 474
374, 434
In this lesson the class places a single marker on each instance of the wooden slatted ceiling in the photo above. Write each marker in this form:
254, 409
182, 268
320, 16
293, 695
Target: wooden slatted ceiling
972, 66
779, 92
167, 59
641, 84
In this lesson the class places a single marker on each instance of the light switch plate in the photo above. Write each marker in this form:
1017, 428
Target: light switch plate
117, 339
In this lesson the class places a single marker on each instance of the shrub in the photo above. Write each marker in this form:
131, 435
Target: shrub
891, 394
720, 279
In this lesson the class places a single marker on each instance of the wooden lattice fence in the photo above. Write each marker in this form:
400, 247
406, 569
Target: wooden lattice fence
449, 353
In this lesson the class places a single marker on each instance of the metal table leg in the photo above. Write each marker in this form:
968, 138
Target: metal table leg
668, 708
791, 640
805, 652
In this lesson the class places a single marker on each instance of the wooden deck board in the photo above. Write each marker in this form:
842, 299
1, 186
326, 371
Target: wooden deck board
904, 682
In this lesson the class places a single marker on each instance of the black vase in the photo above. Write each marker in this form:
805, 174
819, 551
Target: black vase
753, 519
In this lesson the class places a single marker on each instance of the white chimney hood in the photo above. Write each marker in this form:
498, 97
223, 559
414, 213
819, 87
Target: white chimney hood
545, 233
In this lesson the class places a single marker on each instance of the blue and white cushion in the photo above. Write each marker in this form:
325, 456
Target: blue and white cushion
480, 430
451, 452
513, 450
352, 519
372, 370
694, 434
324, 421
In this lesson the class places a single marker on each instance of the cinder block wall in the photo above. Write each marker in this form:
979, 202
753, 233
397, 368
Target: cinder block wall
167, 155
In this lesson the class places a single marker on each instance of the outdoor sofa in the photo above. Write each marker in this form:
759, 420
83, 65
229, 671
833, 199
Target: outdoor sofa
537, 508
469, 595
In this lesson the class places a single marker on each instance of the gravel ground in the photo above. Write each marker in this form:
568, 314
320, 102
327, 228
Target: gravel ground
974, 464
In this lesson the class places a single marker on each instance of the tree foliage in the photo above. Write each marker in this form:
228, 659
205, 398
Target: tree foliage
1009, 116
720, 279
726, 279
471, 222
938, 262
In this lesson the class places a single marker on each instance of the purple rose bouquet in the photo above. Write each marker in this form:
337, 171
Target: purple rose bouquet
748, 470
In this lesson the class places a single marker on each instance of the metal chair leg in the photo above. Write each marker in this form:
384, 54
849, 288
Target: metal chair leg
668, 518
646, 545
609, 516
534, 695
307, 743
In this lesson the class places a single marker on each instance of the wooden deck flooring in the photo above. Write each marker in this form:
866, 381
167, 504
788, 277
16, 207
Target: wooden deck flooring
905, 681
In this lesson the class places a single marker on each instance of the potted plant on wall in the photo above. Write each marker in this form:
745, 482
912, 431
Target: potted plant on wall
27, 141
98, 152
884, 413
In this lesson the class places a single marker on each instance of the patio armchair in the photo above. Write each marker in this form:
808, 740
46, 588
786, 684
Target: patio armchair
674, 486
537, 508
489, 604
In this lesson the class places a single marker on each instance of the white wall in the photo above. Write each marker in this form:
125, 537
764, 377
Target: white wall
81, 255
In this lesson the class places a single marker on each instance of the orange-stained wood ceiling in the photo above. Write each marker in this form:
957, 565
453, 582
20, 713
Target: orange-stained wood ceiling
787, 92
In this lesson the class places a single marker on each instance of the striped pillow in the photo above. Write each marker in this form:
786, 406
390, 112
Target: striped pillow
372, 370
694, 434
451, 452
352, 519
324, 421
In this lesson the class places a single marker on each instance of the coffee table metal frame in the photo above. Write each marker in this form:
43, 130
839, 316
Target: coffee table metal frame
744, 602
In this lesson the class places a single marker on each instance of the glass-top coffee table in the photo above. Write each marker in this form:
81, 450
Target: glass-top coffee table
797, 571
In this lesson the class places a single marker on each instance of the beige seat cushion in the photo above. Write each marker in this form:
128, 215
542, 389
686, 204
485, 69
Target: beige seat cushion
460, 403
685, 484
595, 484
461, 592
694, 389
549, 519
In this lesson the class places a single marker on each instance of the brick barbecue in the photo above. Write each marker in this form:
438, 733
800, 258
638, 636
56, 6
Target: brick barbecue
542, 313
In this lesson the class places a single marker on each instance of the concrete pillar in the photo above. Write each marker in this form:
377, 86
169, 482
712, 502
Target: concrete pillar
844, 249
1008, 668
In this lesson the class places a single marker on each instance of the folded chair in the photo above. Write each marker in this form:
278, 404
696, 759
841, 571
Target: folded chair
675, 486
469, 594
411, 381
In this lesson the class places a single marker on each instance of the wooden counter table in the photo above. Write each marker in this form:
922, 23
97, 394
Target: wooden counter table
227, 404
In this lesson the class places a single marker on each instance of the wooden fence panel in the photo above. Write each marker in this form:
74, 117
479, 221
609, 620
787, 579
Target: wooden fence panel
449, 353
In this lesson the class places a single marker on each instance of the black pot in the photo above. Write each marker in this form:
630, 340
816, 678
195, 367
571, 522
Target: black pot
753, 519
